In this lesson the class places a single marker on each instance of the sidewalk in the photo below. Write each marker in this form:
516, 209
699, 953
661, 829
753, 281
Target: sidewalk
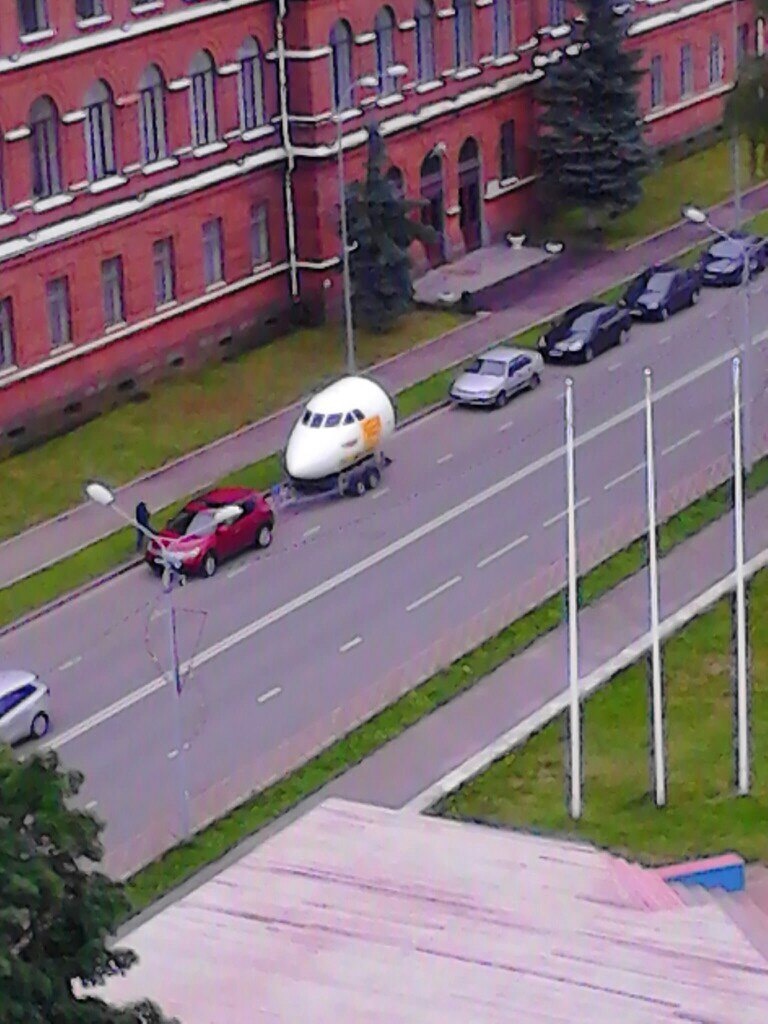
514, 304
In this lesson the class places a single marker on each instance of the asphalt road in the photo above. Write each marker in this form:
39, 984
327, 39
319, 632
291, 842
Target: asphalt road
299, 641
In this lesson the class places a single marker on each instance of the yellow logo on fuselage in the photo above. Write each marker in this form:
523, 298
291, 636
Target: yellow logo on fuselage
371, 431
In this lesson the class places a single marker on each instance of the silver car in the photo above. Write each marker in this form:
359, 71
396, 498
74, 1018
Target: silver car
24, 707
495, 376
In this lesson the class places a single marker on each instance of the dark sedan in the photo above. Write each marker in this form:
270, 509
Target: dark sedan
584, 332
662, 290
722, 264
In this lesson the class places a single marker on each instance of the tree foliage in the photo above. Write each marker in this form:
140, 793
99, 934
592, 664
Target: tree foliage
746, 109
57, 911
383, 226
591, 148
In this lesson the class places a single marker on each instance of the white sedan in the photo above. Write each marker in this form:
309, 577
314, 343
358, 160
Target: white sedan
498, 374
24, 709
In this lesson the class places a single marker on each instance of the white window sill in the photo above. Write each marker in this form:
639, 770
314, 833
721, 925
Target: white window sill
106, 184
259, 132
348, 114
37, 37
6, 371
73, 117
177, 84
52, 202
94, 22
508, 58
118, 326
166, 305
6, 219
388, 101
449, 12
64, 346
209, 149
23, 132
406, 26
78, 186
530, 45
216, 286
182, 151
429, 86
258, 267
366, 37
145, 8
160, 165
234, 134
229, 69
466, 73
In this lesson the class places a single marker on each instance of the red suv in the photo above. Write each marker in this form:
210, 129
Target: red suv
201, 542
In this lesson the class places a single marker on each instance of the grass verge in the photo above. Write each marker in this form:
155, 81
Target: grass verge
181, 415
703, 816
180, 863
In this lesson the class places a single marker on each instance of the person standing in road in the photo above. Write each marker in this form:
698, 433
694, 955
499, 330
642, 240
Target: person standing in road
142, 518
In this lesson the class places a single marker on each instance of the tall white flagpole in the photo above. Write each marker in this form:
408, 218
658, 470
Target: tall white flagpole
573, 608
659, 775
742, 705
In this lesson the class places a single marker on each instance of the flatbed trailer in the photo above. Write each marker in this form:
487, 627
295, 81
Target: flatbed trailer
354, 481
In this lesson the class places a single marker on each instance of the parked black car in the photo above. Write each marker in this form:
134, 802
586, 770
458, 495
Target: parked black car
662, 290
723, 262
585, 331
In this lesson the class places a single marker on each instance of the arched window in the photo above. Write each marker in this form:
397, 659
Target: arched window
2, 190
715, 60
44, 143
154, 140
425, 40
251, 86
99, 137
502, 28
464, 42
384, 27
202, 99
341, 60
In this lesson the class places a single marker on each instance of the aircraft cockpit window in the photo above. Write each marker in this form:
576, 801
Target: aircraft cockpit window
317, 420
358, 415
333, 420
306, 417
349, 418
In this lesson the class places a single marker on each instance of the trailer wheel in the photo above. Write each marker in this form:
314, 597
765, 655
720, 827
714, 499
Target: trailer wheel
343, 483
359, 485
372, 478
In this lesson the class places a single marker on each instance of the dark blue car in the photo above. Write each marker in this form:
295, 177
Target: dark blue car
584, 332
662, 290
722, 265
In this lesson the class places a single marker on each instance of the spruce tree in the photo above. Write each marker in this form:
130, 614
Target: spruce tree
383, 226
57, 912
591, 148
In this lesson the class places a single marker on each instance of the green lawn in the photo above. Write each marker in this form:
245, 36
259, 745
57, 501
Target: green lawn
526, 789
184, 414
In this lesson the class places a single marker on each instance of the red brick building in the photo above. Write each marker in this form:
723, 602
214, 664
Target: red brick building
168, 168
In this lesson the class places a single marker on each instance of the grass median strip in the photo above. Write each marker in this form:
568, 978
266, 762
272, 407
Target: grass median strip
182, 862
703, 816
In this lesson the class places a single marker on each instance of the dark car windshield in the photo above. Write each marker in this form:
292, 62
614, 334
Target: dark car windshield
727, 250
660, 283
488, 367
586, 321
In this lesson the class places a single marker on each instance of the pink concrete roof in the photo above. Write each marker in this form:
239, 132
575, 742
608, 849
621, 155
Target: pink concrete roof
357, 914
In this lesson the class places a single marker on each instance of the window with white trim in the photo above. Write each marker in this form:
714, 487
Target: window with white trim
715, 60
99, 132
202, 95
341, 65
85, 9
657, 83
502, 27
742, 43
464, 44
7, 344
384, 27
250, 83
259, 234
44, 148
112, 293
59, 315
425, 40
164, 269
508, 151
213, 252
153, 136
686, 69
33, 16
2, 176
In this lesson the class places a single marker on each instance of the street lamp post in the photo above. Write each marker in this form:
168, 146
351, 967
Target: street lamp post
173, 574
697, 216
366, 82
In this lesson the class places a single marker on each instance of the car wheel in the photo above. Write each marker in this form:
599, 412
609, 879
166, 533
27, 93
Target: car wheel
534, 381
40, 725
264, 537
210, 565
372, 478
501, 400
694, 296
589, 354
664, 313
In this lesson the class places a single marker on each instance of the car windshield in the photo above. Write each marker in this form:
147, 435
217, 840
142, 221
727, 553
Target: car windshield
726, 250
660, 283
333, 420
586, 321
188, 521
488, 367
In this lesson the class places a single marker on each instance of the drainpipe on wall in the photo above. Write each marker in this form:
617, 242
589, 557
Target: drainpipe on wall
287, 145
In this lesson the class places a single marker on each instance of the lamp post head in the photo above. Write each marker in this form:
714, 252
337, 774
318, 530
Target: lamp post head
694, 215
100, 494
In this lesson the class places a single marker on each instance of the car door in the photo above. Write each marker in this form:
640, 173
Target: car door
13, 723
229, 537
606, 331
515, 375
248, 526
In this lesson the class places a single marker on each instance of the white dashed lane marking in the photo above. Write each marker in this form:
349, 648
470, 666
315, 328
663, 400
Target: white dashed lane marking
350, 644
433, 593
270, 694
502, 551
564, 513
679, 444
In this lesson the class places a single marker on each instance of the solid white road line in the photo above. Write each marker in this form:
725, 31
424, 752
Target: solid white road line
269, 695
236, 571
71, 663
311, 530
433, 593
681, 442
624, 476
350, 644
445, 458
502, 551
333, 582
724, 416
564, 513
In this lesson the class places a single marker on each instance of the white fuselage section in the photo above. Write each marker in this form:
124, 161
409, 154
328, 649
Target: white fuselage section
339, 427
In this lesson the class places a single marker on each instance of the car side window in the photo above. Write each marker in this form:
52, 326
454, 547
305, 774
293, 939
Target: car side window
358, 415
248, 506
11, 700
349, 418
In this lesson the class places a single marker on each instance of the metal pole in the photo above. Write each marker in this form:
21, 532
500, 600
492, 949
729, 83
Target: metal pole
735, 150
746, 352
742, 706
180, 752
347, 284
659, 777
573, 609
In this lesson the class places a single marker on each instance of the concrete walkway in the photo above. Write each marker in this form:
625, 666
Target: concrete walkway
514, 304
